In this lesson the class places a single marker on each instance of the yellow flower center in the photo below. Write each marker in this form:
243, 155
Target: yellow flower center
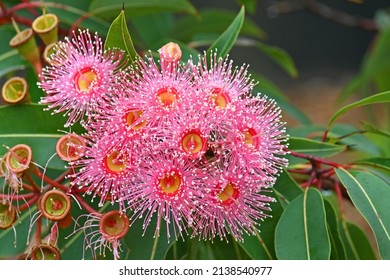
170, 183
220, 98
115, 162
193, 143
132, 117
251, 137
168, 97
228, 195
84, 79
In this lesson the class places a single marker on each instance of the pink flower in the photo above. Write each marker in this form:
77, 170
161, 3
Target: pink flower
167, 186
232, 204
254, 138
105, 169
159, 94
80, 76
121, 117
220, 84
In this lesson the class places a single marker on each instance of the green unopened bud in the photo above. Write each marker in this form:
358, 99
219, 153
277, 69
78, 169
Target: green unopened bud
7, 215
70, 147
19, 159
114, 225
44, 252
55, 205
46, 26
24, 42
15, 91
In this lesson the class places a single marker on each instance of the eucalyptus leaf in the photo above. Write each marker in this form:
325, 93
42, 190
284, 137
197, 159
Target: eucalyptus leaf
261, 246
211, 21
356, 244
382, 97
119, 37
281, 57
286, 187
312, 147
337, 246
377, 162
301, 233
371, 196
226, 41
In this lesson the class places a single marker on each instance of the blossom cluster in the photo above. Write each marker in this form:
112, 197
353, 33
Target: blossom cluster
184, 145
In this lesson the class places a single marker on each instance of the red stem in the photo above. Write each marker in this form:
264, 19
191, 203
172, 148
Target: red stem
29, 203
18, 196
38, 231
49, 180
315, 159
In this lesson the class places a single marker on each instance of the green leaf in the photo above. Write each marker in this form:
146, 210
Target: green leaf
11, 61
144, 245
382, 97
225, 42
286, 187
109, 9
372, 129
261, 246
312, 147
337, 247
377, 162
356, 243
16, 128
281, 57
301, 233
119, 37
371, 196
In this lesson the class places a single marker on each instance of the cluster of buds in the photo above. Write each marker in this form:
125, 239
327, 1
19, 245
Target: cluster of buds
186, 146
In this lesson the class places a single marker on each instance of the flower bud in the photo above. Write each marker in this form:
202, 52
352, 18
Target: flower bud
70, 147
114, 225
46, 26
170, 55
19, 159
7, 215
15, 91
55, 205
44, 252
48, 52
26, 45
